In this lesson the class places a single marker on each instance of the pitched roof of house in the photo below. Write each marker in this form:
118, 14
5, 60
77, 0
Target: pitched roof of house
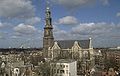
64, 44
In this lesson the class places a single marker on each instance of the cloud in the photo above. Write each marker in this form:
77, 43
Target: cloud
24, 29
98, 29
3, 34
1, 25
16, 9
33, 20
118, 14
74, 4
68, 20
60, 34
14, 37
105, 2
85, 30
5, 25
71, 4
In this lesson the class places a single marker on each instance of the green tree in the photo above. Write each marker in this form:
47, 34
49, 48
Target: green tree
45, 69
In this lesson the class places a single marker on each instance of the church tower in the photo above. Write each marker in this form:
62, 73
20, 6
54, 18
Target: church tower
48, 38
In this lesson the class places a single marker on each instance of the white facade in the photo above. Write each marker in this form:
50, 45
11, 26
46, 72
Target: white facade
64, 68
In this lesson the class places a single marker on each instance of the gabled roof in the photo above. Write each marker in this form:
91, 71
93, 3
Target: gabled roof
64, 44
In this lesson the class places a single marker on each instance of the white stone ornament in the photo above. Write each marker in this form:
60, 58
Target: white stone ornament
16, 71
3, 65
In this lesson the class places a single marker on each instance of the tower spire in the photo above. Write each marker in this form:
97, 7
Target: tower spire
48, 38
48, 15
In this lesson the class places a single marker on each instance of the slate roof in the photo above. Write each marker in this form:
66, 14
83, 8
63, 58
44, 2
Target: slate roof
64, 44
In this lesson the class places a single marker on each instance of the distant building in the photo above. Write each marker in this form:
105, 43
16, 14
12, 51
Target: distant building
17, 68
99, 59
64, 67
110, 72
110, 58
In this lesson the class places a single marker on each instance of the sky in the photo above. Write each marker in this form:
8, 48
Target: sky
22, 22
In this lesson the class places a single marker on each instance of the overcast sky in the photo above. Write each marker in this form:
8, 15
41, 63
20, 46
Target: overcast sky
22, 21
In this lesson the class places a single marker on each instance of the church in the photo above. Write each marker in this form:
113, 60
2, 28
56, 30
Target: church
79, 50
54, 48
